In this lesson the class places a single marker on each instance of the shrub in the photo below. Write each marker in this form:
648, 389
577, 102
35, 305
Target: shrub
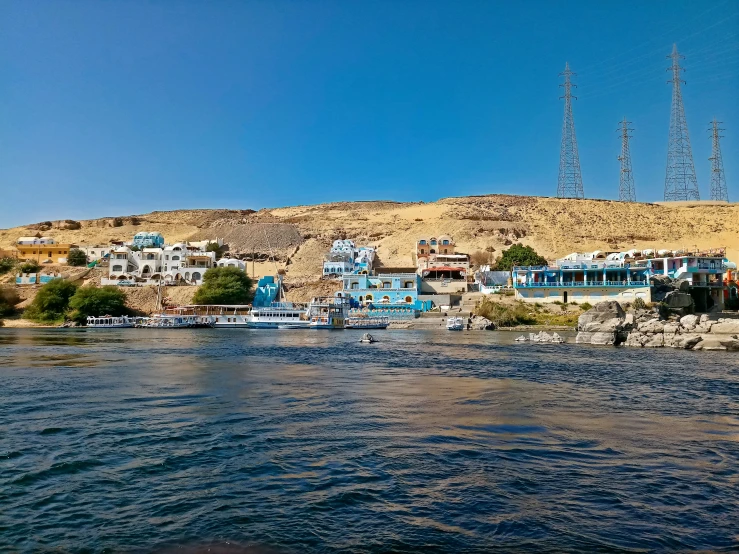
7, 264
30, 266
134, 248
214, 247
585, 306
479, 258
51, 301
95, 302
117, 222
224, 285
639, 304
518, 255
506, 316
76, 257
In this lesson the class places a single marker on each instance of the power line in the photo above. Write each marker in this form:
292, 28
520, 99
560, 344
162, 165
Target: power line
718, 178
569, 184
680, 180
626, 190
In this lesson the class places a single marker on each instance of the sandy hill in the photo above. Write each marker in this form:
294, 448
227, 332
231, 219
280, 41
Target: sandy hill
298, 237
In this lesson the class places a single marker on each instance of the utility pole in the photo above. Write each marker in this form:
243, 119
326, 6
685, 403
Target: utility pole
569, 184
680, 180
626, 190
718, 178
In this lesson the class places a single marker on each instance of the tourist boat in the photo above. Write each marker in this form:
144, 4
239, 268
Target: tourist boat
455, 324
278, 315
328, 313
366, 322
164, 321
224, 315
110, 322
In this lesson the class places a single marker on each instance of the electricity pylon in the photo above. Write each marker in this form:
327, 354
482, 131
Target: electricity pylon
569, 184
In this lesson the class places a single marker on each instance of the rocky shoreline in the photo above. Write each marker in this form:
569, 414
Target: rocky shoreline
608, 324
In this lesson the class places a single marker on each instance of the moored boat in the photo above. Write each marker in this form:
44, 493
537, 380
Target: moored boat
367, 322
109, 322
455, 324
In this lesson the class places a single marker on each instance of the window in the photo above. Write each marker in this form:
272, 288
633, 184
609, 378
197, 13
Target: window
421, 242
175, 258
409, 299
386, 285
445, 241
117, 268
433, 243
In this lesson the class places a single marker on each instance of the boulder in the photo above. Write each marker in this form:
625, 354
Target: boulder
604, 314
726, 327
704, 319
689, 321
678, 300
656, 341
687, 341
683, 285
671, 328
479, 323
636, 339
608, 326
598, 338
709, 344
651, 326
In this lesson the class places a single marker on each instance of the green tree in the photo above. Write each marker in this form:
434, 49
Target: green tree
51, 301
224, 285
7, 264
76, 257
214, 247
96, 302
31, 266
518, 255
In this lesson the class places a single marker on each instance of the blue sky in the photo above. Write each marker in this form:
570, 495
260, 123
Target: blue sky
110, 108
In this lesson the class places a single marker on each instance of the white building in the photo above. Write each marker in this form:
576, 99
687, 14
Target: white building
232, 262
179, 263
35, 240
345, 257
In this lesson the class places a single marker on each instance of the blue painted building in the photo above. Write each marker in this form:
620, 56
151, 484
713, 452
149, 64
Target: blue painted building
145, 239
393, 294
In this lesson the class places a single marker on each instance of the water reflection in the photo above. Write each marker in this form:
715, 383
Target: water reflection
311, 442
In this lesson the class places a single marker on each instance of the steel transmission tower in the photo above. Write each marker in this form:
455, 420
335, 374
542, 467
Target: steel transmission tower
718, 178
626, 190
680, 180
569, 184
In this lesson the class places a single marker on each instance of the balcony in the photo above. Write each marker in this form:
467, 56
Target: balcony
572, 284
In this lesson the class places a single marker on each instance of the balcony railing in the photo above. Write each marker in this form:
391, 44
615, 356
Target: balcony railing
568, 284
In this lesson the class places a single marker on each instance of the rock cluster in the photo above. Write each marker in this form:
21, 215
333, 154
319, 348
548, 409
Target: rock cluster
479, 323
607, 324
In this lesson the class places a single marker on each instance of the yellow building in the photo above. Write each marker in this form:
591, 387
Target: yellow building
45, 253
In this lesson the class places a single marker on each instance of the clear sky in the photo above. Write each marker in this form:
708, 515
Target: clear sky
119, 107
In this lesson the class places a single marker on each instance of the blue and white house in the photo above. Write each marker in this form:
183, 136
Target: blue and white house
394, 295
146, 239
345, 257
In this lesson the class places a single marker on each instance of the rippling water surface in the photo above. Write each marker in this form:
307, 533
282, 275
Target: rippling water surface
307, 441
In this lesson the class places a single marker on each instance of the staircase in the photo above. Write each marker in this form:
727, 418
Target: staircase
469, 301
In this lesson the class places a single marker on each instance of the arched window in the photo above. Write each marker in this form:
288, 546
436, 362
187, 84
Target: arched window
433, 242
369, 298
175, 258
196, 276
355, 286
146, 269
386, 298
187, 275
409, 285
445, 242
409, 299
432, 251
421, 242
387, 285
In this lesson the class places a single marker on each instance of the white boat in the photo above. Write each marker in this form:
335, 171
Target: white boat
455, 324
328, 313
278, 315
164, 321
110, 322
367, 338
367, 322
224, 315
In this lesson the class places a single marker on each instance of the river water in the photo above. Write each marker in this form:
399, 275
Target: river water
307, 441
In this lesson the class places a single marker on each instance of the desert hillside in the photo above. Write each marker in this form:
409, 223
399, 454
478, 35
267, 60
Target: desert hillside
298, 237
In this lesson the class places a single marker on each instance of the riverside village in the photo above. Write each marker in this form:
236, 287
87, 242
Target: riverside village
652, 297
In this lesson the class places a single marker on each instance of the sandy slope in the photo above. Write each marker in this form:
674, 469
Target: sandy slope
297, 237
